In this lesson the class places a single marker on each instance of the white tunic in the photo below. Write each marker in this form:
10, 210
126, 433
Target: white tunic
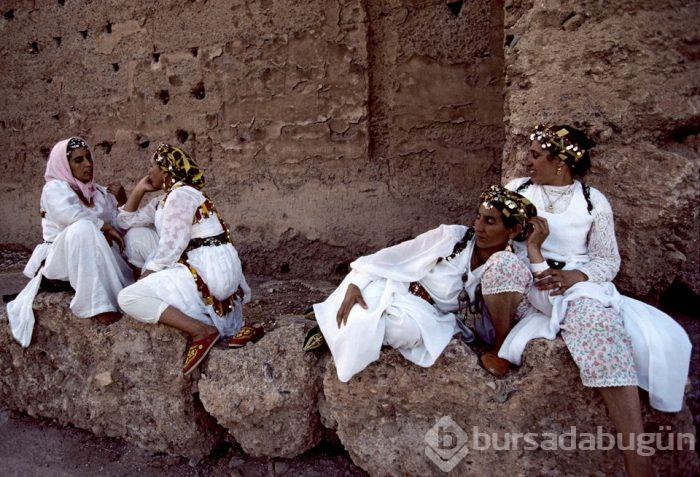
75, 250
420, 331
218, 265
661, 346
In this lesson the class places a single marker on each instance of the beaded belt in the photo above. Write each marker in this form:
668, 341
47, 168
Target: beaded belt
415, 288
555, 264
220, 239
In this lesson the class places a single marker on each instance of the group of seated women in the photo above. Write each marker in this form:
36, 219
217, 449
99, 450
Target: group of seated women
539, 260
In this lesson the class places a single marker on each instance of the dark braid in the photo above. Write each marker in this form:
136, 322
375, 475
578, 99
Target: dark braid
460, 246
524, 186
587, 196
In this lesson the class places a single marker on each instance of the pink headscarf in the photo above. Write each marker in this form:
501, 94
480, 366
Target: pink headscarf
57, 168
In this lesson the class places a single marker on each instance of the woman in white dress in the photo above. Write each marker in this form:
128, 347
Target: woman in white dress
618, 343
81, 241
192, 280
406, 296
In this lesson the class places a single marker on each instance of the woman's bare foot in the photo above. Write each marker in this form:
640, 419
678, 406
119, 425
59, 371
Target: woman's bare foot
108, 318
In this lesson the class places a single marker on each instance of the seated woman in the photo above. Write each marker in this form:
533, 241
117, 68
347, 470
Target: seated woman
617, 342
408, 294
78, 222
193, 280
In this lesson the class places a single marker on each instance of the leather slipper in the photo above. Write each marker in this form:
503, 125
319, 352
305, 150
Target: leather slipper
197, 351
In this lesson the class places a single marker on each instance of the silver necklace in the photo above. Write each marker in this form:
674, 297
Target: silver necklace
550, 207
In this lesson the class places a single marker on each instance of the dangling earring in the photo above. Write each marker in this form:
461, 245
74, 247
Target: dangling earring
509, 246
559, 171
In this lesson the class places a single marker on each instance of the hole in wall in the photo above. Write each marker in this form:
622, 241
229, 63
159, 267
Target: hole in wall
194, 51
115, 66
342, 268
106, 146
108, 27
163, 95
33, 48
156, 57
456, 7
284, 268
198, 91
56, 116
83, 33
9, 15
44, 151
182, 135
61, 2
57, 39
144, 144
49, 80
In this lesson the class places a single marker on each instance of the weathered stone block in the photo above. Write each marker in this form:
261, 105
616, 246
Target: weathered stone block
121, 380
384, 413
266, 394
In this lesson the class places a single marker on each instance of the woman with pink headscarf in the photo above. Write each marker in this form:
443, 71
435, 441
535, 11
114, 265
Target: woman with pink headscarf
82, 244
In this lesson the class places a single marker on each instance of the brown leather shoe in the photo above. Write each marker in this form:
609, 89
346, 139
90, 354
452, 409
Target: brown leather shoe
493, 364
247, 334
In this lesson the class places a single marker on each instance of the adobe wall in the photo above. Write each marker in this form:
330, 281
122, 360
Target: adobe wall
627, 72
328, 127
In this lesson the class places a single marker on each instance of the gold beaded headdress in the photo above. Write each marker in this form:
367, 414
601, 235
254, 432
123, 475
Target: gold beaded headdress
559, 143
512, 205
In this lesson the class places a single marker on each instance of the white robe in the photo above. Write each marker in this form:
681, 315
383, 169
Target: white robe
420, 331
218, 265
75, 250
661, 346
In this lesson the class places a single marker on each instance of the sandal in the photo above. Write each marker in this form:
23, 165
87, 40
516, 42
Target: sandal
310, 314
197, 351
490, 361
314, 339
247, 334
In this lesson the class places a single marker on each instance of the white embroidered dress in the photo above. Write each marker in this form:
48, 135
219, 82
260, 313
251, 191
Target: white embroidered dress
586, 241
74, 250
419, 330
218, 265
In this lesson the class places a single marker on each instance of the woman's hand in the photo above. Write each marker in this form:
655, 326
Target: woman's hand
145, 185
145, 274
353, 296
112, 236
117, 190
539, 231
558, 281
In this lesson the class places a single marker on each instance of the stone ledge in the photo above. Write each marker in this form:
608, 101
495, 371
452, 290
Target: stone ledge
122, 380
276, 401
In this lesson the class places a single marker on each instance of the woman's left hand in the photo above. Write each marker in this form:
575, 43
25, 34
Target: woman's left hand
558, 281
117, 190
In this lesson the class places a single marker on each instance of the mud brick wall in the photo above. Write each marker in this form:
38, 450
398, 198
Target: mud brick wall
328, 128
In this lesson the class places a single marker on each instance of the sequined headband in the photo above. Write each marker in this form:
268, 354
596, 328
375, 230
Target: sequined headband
75, 143
559, 143
509, 203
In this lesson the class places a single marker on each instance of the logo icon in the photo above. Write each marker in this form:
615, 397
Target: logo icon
447, 443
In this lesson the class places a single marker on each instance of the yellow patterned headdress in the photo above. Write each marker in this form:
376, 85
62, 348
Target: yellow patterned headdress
179, 164
515, 208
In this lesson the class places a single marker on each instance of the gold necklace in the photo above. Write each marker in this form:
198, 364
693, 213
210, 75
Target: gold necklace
550, 208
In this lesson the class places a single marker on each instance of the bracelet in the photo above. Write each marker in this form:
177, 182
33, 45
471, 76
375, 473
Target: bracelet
539, 267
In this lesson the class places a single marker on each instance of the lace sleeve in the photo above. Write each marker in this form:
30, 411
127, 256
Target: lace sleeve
142, 217
63, 206
602, 244
176, 230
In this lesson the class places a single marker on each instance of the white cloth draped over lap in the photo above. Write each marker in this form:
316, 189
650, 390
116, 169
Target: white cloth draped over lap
394, 316
74, 250
661, 346
218, 265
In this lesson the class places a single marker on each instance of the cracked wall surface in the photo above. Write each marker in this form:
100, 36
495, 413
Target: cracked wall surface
328, 128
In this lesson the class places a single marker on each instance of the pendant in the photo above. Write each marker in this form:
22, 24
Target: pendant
549, 208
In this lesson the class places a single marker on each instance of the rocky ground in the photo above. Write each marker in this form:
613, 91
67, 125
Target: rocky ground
34, 447
37, 447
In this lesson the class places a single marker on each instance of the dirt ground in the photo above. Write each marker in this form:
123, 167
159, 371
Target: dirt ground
34, 447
